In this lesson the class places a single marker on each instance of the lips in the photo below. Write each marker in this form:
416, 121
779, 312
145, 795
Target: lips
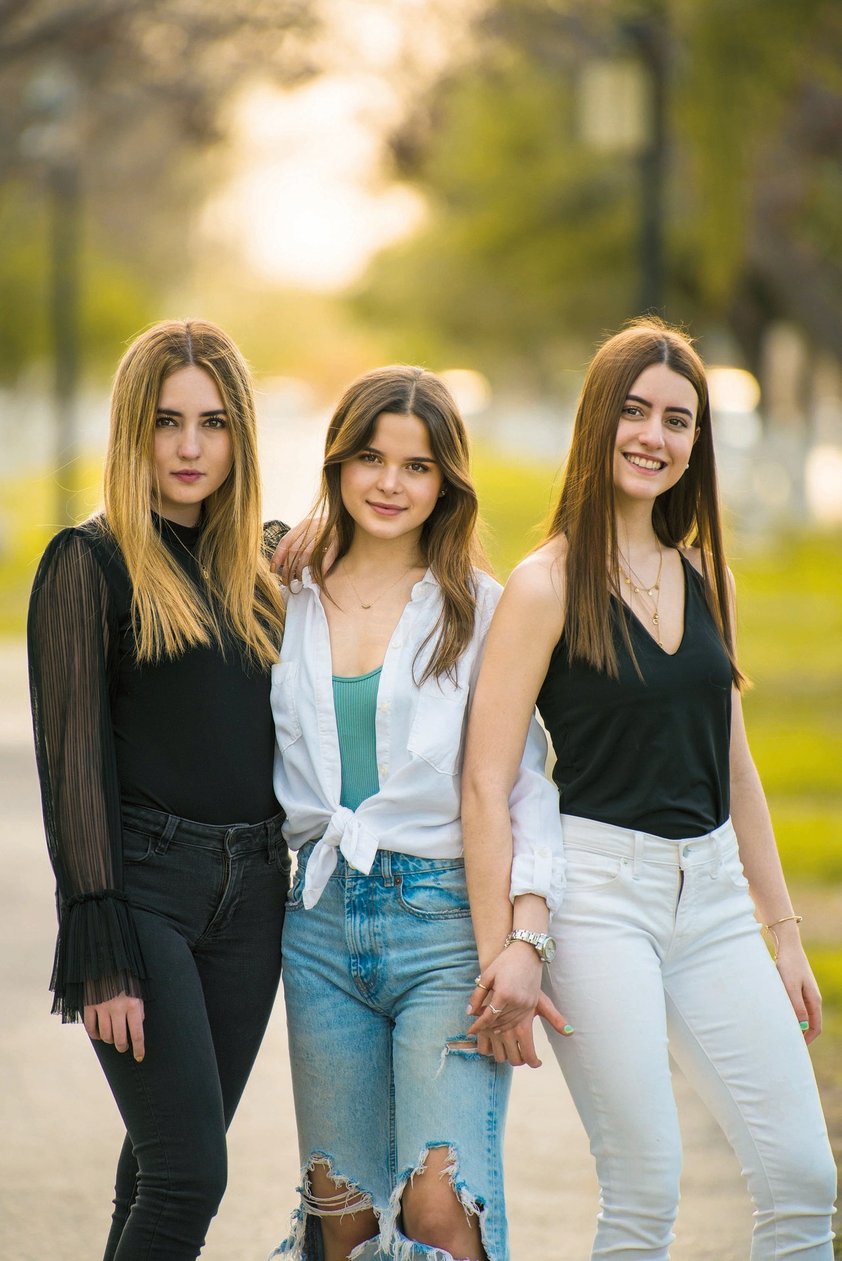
385, 510
188, 476
644, 463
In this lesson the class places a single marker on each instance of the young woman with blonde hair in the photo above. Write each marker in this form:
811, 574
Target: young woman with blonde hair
400, 1120
152, 629
621, 626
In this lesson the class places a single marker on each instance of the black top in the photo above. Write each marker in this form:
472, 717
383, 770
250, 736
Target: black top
192, 736
648, 754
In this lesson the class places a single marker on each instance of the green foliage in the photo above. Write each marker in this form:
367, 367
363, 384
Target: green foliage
514, 500
30, 508
23, 280
528, 233
534, 234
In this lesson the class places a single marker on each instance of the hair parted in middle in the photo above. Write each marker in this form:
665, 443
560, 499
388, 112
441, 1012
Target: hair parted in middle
449, 540
686, 515
169, 615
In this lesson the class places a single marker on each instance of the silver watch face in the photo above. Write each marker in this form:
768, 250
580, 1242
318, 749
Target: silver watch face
547, 949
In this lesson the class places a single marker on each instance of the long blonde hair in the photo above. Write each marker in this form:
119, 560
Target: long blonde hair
169, 614
449, 540
685, 515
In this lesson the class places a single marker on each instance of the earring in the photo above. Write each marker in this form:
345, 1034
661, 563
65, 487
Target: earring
442, 492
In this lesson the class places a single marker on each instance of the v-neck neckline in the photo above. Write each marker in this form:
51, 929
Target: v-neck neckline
659, 647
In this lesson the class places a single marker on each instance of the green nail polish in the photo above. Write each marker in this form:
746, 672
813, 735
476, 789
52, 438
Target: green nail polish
567, 1029
804, 1024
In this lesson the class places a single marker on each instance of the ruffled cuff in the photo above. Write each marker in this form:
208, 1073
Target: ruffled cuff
98, 954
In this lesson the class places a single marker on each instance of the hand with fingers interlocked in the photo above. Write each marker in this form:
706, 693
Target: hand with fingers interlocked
506, 998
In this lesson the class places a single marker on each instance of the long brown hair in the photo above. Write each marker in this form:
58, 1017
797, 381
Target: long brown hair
449, 539
169, 613
686, 515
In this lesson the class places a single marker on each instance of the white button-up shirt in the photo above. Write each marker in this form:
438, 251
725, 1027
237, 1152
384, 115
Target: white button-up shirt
419, 733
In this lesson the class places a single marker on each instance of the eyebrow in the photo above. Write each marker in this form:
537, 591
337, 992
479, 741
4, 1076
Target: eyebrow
635, 398
172, 411
410, 459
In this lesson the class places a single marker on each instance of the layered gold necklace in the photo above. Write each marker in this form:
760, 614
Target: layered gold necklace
649, 595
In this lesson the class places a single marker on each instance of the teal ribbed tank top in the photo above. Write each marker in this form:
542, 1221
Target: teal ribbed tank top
355, 704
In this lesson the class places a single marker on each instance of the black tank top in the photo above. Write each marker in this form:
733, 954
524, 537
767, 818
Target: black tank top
651, 753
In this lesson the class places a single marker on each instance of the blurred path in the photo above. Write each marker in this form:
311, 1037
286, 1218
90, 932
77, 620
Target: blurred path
61, 1133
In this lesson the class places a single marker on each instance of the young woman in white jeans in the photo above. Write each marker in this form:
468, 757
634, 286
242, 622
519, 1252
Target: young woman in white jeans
621, 627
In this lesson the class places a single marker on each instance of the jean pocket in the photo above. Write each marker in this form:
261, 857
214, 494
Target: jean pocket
283, 701
137, 847
434, 894
587, 870
733, 868
437, 728
295, 895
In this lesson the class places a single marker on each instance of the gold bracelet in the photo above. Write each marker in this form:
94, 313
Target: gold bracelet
784, 920
770, 928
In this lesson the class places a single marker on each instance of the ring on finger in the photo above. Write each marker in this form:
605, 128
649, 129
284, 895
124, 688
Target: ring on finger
478, 983
498, 1011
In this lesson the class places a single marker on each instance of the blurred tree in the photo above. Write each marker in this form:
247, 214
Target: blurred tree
537, 235
117, 106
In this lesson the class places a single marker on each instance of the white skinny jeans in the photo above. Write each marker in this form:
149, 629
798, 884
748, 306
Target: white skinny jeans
658, 949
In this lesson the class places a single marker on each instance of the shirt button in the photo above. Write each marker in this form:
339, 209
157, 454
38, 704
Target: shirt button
381, 770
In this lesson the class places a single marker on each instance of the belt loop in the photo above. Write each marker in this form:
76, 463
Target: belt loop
386, 866
168, 833
717, 862
637, 862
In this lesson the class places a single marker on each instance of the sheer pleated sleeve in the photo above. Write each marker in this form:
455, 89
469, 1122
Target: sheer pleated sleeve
72, 633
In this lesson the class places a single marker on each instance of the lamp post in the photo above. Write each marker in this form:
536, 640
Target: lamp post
52, 140
622, 110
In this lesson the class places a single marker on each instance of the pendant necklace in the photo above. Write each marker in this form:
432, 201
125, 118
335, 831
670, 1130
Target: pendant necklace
202, 570
362, 603
643, 590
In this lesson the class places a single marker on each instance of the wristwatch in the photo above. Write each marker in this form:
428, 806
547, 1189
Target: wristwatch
543, 943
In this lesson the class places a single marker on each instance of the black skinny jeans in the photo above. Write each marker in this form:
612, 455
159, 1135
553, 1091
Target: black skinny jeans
209, 906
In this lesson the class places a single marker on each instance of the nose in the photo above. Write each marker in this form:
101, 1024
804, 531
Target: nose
188, 443
651, 431
389, 480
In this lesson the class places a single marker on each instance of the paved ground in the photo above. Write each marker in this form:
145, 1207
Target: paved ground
61, 1134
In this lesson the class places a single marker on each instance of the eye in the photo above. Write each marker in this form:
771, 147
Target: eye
368, 457
162, 421
678, 422
216, 422
631, 409
417, 466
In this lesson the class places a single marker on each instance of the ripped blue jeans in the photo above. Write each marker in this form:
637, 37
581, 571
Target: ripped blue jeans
377, 977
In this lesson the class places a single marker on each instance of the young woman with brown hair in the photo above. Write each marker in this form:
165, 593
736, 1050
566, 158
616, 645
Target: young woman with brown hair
621, 626
400, 1120
152, 629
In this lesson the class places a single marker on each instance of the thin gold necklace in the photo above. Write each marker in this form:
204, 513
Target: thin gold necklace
172, 534
653, 592
380, 594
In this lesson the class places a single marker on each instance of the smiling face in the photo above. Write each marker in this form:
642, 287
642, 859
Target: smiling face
193, 452
655, 433
390, 487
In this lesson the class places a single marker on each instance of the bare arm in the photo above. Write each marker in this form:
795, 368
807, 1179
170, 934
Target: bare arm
523, 633
762, 865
